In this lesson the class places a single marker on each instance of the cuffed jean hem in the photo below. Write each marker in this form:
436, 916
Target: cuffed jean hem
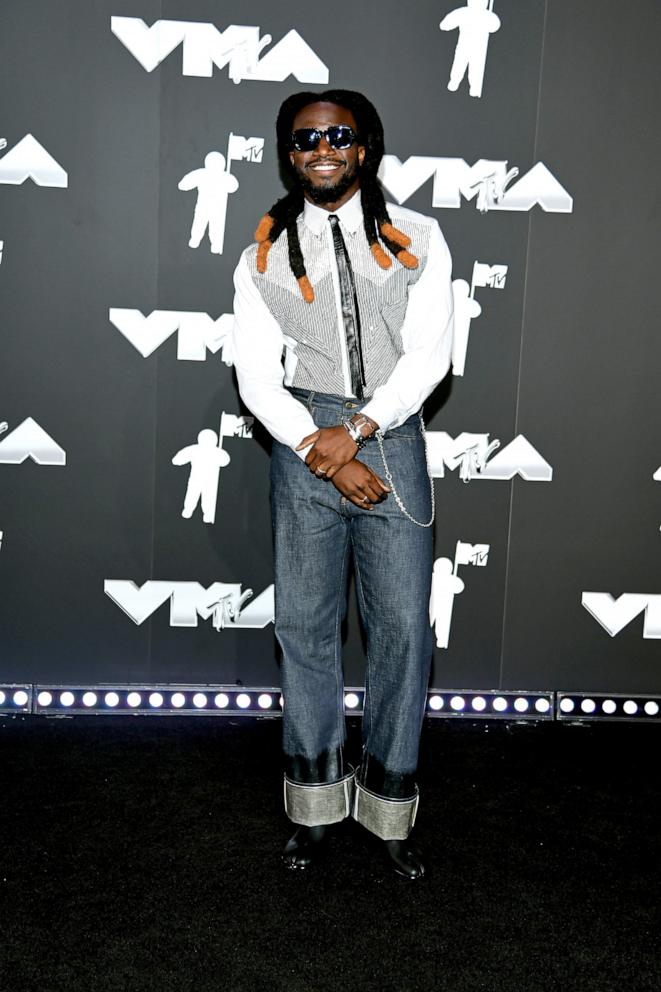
389, 819
316, 805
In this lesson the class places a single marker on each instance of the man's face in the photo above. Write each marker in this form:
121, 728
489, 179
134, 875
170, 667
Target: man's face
329, 176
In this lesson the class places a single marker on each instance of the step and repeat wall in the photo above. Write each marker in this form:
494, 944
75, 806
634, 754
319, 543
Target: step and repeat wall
137, 154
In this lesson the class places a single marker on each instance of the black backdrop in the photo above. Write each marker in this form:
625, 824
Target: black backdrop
565, 353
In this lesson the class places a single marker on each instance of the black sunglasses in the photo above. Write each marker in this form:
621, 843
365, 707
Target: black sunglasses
339, 136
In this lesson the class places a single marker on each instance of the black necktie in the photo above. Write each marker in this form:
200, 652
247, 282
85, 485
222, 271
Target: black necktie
350, 316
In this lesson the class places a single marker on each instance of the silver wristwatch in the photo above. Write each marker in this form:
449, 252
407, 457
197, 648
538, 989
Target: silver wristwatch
354, 431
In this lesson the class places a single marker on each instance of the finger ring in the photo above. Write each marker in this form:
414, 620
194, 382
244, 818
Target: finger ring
365, 499
321, 471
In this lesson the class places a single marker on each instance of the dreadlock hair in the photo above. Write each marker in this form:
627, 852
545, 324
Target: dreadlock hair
283, 215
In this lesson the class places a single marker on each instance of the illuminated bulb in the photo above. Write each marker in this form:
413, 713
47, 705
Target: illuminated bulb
111, 699
265, 701
134, 699
45, 698
479, 703
20, 697
3, 697
566, 705
351, 700
282, 702
222, 701
243, 700
630, 707
651, 708
500, 704
521, 704
155, 699
67, 698
89, 699
436, 703
609, 706
457, 702
199, 700
588, 705
178, 700
542, 705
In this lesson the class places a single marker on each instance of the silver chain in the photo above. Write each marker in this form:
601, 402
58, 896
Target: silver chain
389, 479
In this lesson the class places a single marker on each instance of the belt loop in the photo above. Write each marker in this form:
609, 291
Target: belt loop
310, 401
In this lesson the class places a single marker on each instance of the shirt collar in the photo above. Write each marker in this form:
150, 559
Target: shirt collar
350, 214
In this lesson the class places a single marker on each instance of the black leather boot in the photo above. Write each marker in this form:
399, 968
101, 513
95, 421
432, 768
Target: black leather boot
306, 846
403, 859
385, 784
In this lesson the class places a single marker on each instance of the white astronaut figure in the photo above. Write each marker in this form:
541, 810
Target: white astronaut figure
465, 308
476, 21
206, 460
445, 585
213, 184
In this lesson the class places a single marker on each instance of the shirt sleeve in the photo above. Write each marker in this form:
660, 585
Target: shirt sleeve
257, 347
427, 339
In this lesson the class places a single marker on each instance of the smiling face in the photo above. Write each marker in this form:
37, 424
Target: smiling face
329, 176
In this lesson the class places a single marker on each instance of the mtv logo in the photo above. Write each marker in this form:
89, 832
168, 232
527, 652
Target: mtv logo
233, 425
615, 614
224, 602
248, 149
197, 333
28, 159
29, 440
471, 454
239, 47
487, 182
471, 554
493, 276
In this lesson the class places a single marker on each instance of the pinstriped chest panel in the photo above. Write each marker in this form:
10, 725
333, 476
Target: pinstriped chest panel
313, 330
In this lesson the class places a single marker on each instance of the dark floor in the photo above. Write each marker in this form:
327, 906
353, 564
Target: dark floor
143, 854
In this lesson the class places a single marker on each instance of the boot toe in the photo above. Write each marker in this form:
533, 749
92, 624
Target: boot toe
404, 860
305, 847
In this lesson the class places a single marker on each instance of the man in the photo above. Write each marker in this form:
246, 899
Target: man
365, 328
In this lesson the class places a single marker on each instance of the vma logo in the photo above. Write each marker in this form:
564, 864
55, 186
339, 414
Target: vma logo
29, 440
28, 159
471, 454
615, 614
238, 47
486, 182
197, 333
224, 603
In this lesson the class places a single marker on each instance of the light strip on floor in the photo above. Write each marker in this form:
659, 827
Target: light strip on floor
156, 700
577, 706
15, 697
490, 704
168, 700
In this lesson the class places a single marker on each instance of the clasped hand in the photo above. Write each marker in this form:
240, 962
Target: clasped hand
332, 456
332, 447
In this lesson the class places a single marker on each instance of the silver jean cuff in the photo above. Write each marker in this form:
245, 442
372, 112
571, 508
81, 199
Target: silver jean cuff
314, 805
389, 819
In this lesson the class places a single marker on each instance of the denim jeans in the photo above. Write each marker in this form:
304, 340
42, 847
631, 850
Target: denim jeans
317, 533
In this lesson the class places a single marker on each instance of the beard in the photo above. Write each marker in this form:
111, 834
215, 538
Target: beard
328, 194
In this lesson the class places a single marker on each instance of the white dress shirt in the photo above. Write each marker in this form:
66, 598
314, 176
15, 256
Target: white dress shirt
258, 342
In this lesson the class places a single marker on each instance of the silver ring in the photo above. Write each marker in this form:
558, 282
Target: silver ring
365, 499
